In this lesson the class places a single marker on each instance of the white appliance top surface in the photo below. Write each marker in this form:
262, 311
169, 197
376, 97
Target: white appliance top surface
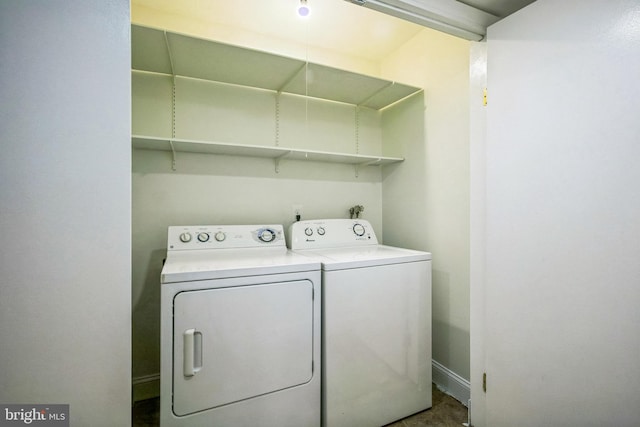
347, 243
367, 256
238, 251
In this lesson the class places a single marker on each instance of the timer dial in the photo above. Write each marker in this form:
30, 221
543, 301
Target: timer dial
220, 236
267, 235
359, 230
308, 231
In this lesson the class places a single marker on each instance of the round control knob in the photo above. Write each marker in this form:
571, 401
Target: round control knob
220, 236
203, 237
308, 231
321, 231
359, 230
267, 235
185, 237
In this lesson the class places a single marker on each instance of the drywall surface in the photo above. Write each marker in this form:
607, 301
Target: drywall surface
65, 304
222, 190
425, 199
226, 22
562, 209
426, 202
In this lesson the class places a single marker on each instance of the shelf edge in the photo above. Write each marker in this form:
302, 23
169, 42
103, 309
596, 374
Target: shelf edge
247, 150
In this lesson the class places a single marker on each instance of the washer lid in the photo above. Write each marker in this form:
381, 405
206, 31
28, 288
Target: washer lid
186, 266
365, 256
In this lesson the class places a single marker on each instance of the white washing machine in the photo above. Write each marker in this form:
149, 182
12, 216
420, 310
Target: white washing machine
376, 328
240, 329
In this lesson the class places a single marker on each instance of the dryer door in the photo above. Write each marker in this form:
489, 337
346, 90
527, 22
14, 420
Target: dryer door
237, 343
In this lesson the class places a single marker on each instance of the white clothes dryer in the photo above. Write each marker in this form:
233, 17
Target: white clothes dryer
240, 329
376, 330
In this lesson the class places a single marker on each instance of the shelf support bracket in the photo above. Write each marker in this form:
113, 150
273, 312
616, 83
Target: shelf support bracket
276, 160
357, 129
278, 118
374, 162
173, 156
166, 43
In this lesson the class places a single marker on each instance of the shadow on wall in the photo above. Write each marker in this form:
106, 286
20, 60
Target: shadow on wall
450, 343
146, 318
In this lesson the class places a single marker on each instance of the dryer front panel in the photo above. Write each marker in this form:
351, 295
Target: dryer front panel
236, 343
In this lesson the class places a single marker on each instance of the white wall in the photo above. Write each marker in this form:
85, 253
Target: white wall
208, 189
562, 208
214, 189
234, 24
65, 203
430, 190
426, 201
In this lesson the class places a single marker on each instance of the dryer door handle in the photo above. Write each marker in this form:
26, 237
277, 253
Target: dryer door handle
192, 352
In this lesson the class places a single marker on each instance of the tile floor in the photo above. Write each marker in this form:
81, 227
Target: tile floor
446, 412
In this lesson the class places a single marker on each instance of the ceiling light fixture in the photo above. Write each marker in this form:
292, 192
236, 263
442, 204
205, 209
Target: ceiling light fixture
303, 9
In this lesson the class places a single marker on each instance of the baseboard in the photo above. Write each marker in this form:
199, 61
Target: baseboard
146, 387
451, 383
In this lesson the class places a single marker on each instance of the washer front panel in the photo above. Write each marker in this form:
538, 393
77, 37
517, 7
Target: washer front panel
377, 344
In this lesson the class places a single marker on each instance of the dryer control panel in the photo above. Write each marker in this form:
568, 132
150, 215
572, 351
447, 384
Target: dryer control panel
195, 237
331, 233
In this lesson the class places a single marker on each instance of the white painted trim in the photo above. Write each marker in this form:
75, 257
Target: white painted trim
145, 387
449, 16
148, 386
451, 383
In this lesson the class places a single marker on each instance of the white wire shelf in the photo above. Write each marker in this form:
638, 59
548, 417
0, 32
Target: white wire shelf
160, 51
271, 152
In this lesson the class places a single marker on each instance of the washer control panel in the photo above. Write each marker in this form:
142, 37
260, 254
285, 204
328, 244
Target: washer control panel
331, 233
194, 237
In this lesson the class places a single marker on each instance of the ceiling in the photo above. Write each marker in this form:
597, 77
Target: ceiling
336, 25
499, 8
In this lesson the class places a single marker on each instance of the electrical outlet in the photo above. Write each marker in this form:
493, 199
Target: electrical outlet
296, 210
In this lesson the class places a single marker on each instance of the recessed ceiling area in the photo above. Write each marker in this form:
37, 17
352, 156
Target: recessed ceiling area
499, 8
334, 25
